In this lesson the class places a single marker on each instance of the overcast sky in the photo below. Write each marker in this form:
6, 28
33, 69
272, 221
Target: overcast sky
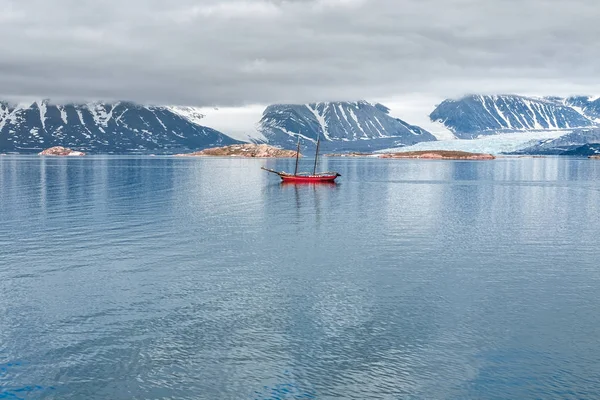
241, 52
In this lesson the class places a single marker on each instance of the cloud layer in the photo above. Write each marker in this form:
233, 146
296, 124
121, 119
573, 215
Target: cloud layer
239, 52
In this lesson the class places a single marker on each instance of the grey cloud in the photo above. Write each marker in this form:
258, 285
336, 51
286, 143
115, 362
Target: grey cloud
236, 52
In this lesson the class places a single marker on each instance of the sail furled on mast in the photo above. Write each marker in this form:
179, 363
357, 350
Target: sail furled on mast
297, 156
317, 153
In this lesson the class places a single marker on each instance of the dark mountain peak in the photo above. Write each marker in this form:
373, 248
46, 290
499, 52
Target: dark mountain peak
342, 125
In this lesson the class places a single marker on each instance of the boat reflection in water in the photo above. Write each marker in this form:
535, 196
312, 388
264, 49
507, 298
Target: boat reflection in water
310, 199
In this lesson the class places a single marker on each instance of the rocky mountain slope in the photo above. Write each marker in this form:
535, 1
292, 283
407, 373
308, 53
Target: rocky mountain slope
582, 142
121, 127
358, 126
476, 115
586, 105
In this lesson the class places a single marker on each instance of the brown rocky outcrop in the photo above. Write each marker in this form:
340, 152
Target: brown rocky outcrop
61, 151
439, 155
595, 157
243, 150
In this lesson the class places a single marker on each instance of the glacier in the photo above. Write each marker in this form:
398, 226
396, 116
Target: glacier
504, 143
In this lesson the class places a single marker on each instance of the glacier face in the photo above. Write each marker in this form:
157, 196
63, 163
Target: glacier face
476, 115
572, 142
504, 143
342, 126
121, 127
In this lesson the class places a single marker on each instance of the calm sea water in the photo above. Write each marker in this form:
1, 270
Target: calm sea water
165, 278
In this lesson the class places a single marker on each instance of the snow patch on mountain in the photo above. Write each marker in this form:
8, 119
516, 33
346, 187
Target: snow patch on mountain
193, 114
321, 119
101, 113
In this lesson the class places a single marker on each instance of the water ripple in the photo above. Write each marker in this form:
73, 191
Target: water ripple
156, 277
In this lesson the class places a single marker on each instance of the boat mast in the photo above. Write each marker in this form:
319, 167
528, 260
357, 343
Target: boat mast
317, 152
297, 155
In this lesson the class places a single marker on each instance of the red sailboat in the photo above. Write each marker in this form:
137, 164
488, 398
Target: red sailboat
306, 177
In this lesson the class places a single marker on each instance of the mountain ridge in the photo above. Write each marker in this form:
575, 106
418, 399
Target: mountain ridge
97, 127
340, 125
127, 127
474, 115
576, 142
344, 126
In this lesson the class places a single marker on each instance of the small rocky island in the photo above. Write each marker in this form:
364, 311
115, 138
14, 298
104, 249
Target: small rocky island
439, 155
61, 151
243, 150
595, 157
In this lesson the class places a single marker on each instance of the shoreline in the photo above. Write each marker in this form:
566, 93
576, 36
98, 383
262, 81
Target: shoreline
376, 156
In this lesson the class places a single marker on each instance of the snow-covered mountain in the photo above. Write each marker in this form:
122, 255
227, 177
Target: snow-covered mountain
578, 142
342, 126
586, 105
476, 115
125, 127
549, 125
121, 127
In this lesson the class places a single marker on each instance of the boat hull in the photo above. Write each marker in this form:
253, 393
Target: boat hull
308, 178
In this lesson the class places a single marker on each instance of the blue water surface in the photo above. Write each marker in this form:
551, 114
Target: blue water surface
182, 278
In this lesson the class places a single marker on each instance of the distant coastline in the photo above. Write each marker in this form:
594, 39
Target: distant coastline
422, 155
267, 151
439, 155
243, 150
